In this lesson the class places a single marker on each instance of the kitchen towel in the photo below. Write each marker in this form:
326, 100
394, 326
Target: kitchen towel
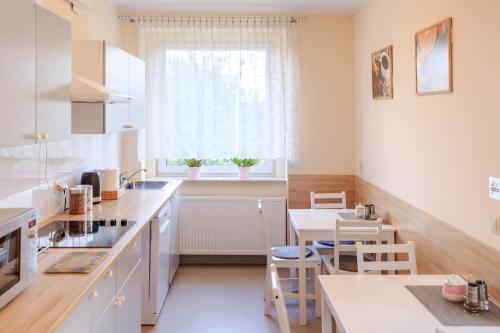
77, 263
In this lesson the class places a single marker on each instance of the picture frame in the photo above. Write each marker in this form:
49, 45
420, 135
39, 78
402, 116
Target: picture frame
382, 74
434, 59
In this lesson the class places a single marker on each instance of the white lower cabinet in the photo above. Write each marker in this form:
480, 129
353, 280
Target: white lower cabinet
114, 304
79, 320
128, 310
107, 323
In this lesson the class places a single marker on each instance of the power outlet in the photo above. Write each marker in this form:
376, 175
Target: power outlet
495, 223
60, 186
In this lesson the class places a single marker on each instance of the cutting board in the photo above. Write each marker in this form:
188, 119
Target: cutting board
77, 263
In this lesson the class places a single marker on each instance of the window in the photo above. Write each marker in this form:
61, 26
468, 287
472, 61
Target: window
217, 91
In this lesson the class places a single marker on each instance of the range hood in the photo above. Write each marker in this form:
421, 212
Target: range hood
87, 91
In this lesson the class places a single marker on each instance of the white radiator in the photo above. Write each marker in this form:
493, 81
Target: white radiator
229, 225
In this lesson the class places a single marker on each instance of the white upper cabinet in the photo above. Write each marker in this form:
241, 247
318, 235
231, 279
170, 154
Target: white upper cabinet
116, 78
137, 89
118, 71
17, 72
35, 74
53, 76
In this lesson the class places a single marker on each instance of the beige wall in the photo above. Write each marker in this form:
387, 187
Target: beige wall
99, 22
327, 78
435, 152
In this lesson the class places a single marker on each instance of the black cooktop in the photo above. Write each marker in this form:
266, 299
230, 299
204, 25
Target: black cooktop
85, 234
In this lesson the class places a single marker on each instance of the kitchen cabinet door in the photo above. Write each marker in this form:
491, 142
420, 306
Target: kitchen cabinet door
174, 239
17, 72
137, 89
116, 78
53, 76
107, 323
128, 313
78, 321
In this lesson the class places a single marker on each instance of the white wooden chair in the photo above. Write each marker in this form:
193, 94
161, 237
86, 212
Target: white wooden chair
339, 202
279, 300
313, 263
378, 265
356, 231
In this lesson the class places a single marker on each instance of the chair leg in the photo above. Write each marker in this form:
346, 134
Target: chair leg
317, 291
267, 293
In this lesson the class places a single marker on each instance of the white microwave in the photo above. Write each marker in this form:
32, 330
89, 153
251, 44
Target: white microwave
18, 251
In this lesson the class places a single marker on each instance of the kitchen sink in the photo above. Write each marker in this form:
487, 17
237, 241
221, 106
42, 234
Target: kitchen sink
146, 185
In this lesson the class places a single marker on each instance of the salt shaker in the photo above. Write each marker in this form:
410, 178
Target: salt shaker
359, 210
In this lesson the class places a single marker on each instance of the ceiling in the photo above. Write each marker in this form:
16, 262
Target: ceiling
313, 6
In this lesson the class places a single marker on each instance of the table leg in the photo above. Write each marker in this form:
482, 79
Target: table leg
391, 256
302, 282
326, 317
292, 242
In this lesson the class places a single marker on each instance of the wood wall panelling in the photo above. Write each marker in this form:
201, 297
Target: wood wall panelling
299, 187
440, 247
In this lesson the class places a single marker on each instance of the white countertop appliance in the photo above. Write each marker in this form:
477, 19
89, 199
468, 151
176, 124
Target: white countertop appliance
18, 250
160, 264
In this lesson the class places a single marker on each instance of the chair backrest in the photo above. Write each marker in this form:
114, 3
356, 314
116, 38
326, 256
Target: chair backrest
378, 265
340, 200
354, 231
265, 231
279, 300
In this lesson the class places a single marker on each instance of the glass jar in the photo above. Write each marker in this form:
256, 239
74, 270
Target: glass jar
77, 200
89, 196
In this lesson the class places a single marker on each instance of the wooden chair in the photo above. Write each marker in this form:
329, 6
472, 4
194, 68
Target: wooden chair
274, 256
378, 265
279, 300
340, 203
355, 231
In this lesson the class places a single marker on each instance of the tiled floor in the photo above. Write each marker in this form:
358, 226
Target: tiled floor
222, 299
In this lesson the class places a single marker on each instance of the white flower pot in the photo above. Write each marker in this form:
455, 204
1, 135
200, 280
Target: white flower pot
194, 172
244, 172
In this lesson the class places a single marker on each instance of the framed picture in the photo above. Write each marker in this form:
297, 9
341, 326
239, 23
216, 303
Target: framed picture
433, 56
382, 85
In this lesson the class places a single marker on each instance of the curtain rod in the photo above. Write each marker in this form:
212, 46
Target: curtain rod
292, 19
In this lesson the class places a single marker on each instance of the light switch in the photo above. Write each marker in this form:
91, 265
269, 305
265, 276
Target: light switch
494, 188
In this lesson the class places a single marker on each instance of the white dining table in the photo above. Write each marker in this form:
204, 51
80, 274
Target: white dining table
318, 224
381, 304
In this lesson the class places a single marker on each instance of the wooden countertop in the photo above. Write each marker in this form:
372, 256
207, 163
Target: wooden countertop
46, 303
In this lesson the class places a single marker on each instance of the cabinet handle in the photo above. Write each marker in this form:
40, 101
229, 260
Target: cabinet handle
36, 136
95, 294
128, 126
110, 274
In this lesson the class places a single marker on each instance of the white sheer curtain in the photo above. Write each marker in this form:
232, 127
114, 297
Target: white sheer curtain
220, 88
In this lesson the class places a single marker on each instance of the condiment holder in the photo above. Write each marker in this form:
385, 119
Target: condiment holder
476, 297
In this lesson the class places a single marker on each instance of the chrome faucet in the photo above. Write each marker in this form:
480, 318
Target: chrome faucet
124, 180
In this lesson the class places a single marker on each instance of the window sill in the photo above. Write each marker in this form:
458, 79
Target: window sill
226, 179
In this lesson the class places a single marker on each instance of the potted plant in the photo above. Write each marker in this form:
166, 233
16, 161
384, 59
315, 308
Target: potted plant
194, 166
244, 166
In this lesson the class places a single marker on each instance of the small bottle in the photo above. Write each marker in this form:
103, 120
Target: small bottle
359, 210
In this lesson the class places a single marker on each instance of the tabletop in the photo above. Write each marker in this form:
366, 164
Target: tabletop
381, 303
320, 219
